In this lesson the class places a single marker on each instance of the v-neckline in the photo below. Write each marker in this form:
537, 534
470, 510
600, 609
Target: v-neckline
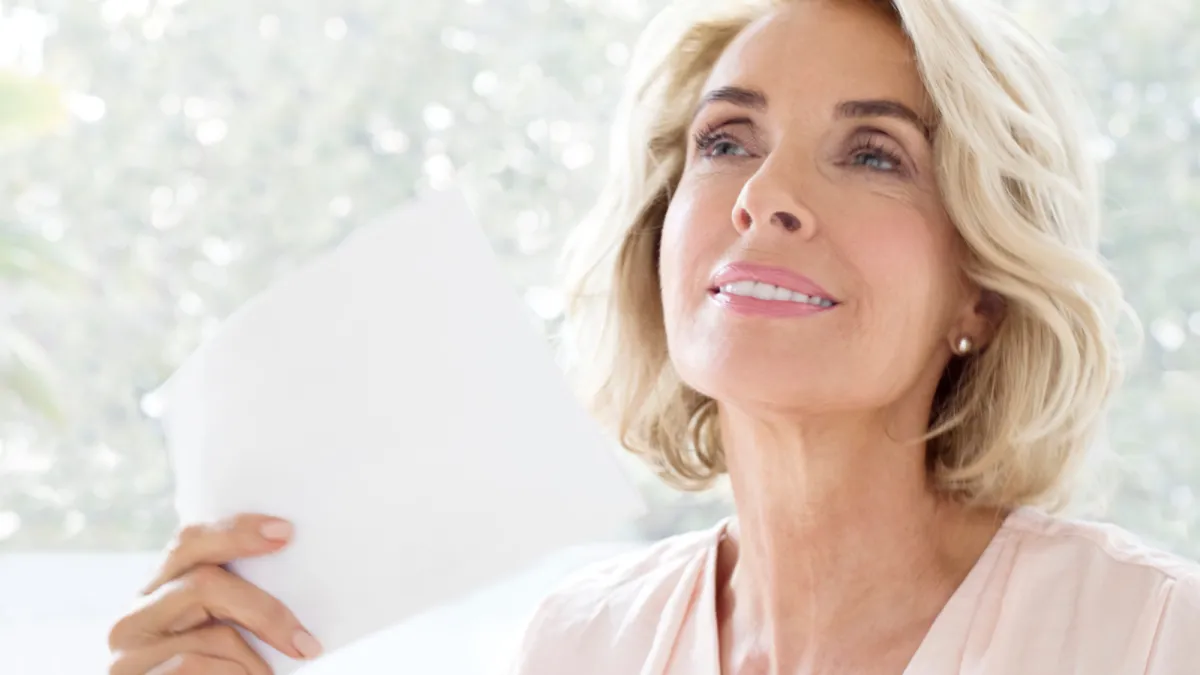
958, 608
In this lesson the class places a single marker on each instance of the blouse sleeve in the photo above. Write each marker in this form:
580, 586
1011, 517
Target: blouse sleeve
543, 635
1176, 649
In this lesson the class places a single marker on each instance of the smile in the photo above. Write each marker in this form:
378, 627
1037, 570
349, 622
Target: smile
751, 289
771, 292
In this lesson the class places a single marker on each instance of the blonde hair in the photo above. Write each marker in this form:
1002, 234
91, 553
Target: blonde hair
1009, 423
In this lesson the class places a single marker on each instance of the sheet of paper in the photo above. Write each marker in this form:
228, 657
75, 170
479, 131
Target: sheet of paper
480, 635
394, 400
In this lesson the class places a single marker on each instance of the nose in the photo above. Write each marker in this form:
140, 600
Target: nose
770, 198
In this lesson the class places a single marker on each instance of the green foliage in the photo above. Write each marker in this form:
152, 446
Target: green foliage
28, 106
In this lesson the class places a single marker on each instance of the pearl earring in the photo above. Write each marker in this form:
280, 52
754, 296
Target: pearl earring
963, 346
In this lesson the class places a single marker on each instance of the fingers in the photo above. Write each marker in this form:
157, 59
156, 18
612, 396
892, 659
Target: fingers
206, 593
244, 536
212, 650
185, 620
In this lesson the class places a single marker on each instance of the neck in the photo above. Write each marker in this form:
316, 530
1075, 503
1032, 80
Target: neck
837, 534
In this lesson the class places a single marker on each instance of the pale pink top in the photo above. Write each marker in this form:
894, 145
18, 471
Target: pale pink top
1049, 596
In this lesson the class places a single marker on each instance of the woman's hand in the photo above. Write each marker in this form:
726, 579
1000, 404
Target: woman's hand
185, 620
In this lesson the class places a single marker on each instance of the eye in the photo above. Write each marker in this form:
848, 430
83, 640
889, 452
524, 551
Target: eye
875, 160
724, 146
871, 154
716, 142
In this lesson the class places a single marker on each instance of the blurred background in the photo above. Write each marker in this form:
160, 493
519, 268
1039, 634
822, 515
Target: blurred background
161, 161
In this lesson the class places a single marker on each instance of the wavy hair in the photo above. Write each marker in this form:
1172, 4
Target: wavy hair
1009, 423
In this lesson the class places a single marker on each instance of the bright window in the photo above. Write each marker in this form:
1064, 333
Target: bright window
160, 162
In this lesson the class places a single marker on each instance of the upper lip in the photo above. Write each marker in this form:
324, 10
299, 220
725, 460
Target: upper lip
776, 276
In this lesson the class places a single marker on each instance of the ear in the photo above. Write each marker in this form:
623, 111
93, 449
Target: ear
982, 313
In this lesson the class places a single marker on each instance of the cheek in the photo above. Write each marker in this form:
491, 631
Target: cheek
907, 264
697, 232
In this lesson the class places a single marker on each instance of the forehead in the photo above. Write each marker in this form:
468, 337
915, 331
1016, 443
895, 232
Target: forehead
823, 49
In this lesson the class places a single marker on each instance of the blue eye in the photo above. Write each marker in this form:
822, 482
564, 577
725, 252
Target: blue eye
877, 160
872, 155
719, 144
725, 147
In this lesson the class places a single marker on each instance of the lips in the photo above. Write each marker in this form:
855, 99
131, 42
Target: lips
770, 283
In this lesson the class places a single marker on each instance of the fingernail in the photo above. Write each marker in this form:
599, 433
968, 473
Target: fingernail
276, 530
307, 645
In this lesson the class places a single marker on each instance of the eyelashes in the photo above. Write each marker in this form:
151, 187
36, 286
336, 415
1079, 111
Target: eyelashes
866, 150
713, 136
870, 148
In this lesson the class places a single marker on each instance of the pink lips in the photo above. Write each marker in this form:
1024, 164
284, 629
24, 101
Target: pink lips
776, 276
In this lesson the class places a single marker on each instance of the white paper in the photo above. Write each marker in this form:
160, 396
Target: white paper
479, 636
393, 400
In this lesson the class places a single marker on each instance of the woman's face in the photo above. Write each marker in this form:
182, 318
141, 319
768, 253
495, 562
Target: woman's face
810, 170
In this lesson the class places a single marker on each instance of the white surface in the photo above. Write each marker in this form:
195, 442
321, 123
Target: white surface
56, 610
394, 401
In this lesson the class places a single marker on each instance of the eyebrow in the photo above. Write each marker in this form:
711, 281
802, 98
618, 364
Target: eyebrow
739, 96
884, 108
757, 101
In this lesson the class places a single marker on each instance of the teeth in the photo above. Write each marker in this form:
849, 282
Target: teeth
741, 288
764, 291
757, 289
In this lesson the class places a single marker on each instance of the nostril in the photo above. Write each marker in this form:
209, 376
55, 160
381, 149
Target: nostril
743, 220
788, 221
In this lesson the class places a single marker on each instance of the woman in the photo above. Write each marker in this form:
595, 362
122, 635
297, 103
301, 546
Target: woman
848, 257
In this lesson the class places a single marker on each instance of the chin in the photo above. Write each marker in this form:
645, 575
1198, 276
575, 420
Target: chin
751, 381
759, 384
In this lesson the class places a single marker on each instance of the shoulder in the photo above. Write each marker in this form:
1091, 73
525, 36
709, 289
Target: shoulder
1102, 549
1102, 582
614, 609
1176, 648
